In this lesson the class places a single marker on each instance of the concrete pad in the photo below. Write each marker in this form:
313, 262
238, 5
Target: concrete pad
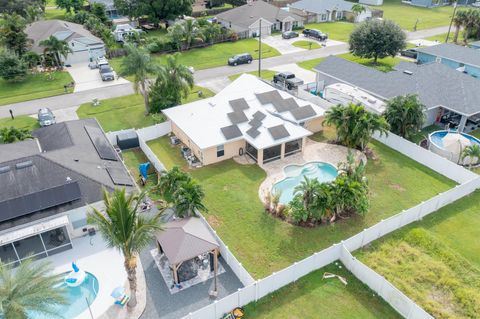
301, 73
284, 46
423, 42
63, 115
88, 79
215, 84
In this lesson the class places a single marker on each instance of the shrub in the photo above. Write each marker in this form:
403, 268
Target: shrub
12, 68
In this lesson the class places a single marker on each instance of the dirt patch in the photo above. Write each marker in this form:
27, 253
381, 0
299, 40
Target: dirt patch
446, 299
396, 187
214, 221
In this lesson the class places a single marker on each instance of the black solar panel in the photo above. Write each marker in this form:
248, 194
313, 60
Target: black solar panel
274, 98
303, 112
119, 176
255, 123
290, 103
253, 132
34, 202
231, 131
237, 117
239, 104
259, 116
268, 97
103, 147
278, 132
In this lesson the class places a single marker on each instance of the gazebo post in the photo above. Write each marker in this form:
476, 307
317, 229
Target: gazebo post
175, 274
215, 268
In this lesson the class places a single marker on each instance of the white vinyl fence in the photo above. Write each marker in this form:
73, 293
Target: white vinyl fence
147, 133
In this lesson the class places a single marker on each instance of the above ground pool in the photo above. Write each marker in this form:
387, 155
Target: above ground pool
76, 298
450, 144
294, 175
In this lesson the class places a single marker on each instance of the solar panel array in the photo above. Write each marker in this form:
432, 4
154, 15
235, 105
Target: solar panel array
34, 202
259, 116
237, 117
103, 147
253, 132
279, 103
119, 176
231, 132
239, 104
303, 112
255, 123
278, 132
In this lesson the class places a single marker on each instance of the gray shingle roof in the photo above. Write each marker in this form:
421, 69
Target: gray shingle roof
246, 15
454, 52
435, 83
322, 6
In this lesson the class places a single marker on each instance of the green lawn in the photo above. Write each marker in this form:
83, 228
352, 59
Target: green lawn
35, 86
159, 33
54, 13
265, 74
435, 262
214, 55
423, 134
307, 45
384, 65
128, 111
21, 121
339, 31
406, 15
314, 297
265, 244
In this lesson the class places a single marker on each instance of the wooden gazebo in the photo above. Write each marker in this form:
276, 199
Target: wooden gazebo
185, 239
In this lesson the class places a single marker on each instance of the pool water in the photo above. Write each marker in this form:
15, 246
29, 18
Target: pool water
437, 138
324, 172
76, 298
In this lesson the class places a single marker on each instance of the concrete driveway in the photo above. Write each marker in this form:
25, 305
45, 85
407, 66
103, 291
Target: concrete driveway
87, 79
301, 73
284, 46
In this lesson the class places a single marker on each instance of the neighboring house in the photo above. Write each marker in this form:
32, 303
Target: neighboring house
475, 45
246, 19
372, 2
110, 9
327, 11
458, 57
247, 117
122, 30
428, 3
85, 46
439, 87
50, 183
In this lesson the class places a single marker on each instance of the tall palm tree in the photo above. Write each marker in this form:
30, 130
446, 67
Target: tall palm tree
169, 182
459, 21
29, 288
139, 64
56, 48
307, 188
405, 115
11, 134
211, 31
191, 32
473, 152
189, 198
124, 228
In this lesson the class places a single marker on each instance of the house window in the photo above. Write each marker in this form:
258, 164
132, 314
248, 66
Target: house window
220, 150
339, 15
324, 17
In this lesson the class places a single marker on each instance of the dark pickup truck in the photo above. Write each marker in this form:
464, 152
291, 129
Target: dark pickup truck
287, 79
316, 34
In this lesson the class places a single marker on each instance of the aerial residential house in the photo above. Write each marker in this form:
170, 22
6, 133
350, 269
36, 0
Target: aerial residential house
246, 19
327, 11
440, 88
247, 117
85, 46
48, 184
458, 57
427, 3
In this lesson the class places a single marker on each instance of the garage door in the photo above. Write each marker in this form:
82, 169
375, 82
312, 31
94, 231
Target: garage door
78, 57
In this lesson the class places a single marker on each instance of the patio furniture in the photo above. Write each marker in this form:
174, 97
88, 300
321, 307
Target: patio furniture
174, 140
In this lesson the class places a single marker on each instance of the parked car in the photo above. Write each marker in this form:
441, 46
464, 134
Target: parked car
98, 62
409, 53
240, 59
287, 79
316, 34
289, 34
106, 73
46, 117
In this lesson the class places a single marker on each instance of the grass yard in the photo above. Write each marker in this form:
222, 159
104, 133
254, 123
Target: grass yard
423, 134
311, 296
307, 45
406, 15
128, 111
35, 86
435, 262
339, 30
265, 244
21, 121
384, 65
214, 55
265, 74
132, 158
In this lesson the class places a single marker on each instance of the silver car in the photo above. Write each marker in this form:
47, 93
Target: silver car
106, 73
46, 117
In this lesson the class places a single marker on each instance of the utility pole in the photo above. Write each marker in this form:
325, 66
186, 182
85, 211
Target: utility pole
451, 21
260, 49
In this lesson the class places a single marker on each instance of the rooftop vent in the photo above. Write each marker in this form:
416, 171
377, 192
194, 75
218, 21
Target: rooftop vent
4, 169
211, 104
23, 164
407, 72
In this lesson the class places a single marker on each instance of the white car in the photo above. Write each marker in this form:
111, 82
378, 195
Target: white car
98, 62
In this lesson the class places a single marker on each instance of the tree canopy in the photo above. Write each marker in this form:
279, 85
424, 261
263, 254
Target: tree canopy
69, 5
20, 6
156, 10
377, 39
12, 33
12, 68
405, 115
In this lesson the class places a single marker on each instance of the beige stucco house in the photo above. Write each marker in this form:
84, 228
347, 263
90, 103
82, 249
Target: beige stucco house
247, 117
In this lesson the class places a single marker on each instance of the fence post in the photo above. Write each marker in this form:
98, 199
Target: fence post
419, 215
227, 259
238, 301
363, 238
401, 219
379, 229
294, 271
256, 290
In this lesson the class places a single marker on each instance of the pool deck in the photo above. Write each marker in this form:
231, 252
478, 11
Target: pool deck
313, 152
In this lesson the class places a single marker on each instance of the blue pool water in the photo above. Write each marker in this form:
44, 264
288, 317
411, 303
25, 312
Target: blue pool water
437, 137
324, 172
76, 298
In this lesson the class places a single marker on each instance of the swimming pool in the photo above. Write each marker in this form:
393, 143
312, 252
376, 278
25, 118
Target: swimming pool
450, 144
76, 298
294, 175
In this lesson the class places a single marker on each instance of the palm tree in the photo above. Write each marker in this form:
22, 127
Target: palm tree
29, 288
169, 182
11, 134
139, 64
357, 9
189, 198
459, 21
188, 31
125, 229
473, 152
307, 188
405, 115
211, 31
56, 48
